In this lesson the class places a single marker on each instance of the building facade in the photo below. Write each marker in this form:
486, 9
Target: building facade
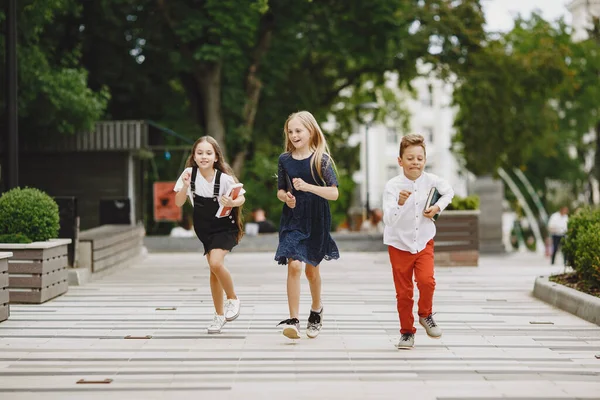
582, 14
430, 114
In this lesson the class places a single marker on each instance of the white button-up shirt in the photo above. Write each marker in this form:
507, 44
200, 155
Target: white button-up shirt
557, 225
406, 228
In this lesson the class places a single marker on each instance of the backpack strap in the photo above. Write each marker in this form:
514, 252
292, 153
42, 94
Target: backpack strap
217, 185
193, 181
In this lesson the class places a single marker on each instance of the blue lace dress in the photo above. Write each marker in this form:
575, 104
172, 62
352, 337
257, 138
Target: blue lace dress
304, 230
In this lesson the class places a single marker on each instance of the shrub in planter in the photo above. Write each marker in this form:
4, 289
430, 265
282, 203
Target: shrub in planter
586, 259
14, 238
30, 213
579, 220
464, 203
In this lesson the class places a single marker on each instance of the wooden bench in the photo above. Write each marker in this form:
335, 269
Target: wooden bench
4, 295
107, 246
457, 239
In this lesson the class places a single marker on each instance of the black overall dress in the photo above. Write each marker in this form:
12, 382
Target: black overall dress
213, 232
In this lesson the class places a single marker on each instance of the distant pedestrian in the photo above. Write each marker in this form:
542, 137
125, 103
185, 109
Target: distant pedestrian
557, 226
264, 225
373, 224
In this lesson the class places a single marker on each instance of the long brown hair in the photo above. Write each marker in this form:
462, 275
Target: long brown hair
222, 166
318, 144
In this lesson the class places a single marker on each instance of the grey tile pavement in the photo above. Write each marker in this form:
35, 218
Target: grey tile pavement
498, 342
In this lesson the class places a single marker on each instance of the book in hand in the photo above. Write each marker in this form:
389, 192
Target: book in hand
233, 192
432, 198
288, 181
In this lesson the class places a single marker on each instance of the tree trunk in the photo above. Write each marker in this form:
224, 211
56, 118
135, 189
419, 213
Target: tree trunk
209, 86
597, 156
253, 87
253, 96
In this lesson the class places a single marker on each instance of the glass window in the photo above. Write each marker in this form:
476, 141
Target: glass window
428, 133
392, 135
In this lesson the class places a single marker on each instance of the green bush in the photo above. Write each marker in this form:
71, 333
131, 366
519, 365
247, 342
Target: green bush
578, 220
587, 254
29, 212
464, 203
14, 238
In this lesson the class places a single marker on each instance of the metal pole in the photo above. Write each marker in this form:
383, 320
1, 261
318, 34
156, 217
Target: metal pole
12, 148
367, 167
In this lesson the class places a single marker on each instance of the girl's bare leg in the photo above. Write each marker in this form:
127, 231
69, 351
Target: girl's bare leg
293, 287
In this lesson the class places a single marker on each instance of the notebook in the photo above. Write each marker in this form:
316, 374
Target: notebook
432, 198
290, 186
233, 192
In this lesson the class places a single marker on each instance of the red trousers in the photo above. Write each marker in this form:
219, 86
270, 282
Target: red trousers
404, 264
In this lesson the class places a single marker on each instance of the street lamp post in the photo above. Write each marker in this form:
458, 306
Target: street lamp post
12, 142
366, 113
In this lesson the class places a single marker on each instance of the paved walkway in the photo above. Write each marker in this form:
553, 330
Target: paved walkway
498, 341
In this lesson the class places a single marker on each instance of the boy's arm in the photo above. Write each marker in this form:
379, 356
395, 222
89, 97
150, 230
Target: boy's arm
392, 211
446, 191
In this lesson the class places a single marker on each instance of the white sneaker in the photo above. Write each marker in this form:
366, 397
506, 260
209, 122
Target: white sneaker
217, 324
431, 327
291, 328
407, 341
232, 309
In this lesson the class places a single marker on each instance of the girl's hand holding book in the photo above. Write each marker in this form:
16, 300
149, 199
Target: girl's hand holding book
290, 200
226, 201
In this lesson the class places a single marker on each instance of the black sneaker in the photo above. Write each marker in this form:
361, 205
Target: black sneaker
315, 322
407, 341
291, 328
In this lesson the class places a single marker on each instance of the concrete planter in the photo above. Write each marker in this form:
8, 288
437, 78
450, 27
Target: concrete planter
37, 272
581, 304
457, 239
4, 306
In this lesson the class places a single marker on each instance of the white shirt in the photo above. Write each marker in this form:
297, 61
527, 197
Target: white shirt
406, 228
557, 224
205, 188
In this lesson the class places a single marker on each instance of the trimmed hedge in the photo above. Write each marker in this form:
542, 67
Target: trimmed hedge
582, 245
30, 213
464, 203
14, 238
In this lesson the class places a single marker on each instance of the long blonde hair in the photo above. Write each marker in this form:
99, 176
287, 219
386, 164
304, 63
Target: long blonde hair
222, 166
318, 143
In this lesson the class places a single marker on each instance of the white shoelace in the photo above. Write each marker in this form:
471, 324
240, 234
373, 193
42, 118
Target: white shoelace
217, 320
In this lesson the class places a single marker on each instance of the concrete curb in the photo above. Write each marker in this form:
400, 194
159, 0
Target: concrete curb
577, 303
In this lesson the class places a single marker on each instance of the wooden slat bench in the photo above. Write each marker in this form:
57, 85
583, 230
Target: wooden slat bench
107, 246
4, 297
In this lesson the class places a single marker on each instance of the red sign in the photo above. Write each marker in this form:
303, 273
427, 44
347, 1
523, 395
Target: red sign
165, 208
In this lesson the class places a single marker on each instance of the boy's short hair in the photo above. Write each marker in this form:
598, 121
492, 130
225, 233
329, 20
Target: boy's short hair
412, 140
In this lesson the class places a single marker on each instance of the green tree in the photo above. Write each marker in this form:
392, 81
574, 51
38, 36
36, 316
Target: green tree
507, 97
236, 70
579, 104
53, 92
